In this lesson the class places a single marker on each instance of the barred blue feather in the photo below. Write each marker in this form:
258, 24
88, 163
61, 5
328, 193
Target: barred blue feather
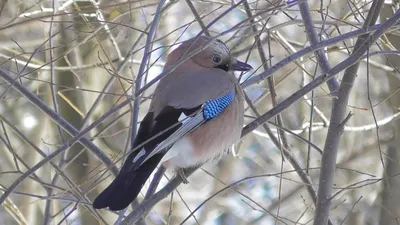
214, 107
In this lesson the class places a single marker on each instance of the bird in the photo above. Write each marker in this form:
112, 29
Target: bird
195, 116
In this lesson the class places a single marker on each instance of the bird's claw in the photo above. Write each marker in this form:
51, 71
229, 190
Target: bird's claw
181, 173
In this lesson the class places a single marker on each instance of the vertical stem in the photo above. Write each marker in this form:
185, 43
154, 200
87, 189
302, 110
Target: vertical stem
335, 130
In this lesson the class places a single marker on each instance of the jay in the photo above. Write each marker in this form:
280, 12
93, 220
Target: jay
195, 115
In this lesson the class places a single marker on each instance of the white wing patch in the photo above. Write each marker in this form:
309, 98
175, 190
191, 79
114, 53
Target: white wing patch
139, 155
182, 118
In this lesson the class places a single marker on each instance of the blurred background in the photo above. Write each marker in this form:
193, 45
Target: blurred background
81, 58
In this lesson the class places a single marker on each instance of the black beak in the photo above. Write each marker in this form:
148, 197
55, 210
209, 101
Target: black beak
240, 66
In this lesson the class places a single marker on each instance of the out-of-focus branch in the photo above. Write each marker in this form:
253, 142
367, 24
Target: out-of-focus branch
198, 18
58, 119
78, 136
64, 147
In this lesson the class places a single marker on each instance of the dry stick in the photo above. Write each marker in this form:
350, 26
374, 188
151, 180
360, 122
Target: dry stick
156, 180
198, 18
161, 170
286, 151
110, 81
37, 149
9, 24
142, 67
47, 210
78, 136
70, 67
174, 183
322, 60
143, 63
139, 78
271, 85
119, 69
275, 204
28, 61
230, 186
351, 60
288, 155
54, 154
8, 142
58, 119
338, 115
260, 77
148, 204
59, 171
315, 147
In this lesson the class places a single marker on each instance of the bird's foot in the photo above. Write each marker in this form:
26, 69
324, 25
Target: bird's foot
181, 173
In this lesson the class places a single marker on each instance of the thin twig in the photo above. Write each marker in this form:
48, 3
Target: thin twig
58, 119
378, 29
139, 78
352, 59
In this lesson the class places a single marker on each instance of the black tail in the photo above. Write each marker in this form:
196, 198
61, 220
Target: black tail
126, 186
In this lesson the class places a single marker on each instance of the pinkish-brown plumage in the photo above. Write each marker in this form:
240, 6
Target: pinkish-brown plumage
190, 141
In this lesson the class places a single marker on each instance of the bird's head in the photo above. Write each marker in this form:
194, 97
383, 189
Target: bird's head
213, 54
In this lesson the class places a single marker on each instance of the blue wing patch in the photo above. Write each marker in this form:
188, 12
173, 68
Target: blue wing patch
214, 107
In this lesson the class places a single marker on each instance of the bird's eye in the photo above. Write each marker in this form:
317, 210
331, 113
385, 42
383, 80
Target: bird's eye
216, 59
